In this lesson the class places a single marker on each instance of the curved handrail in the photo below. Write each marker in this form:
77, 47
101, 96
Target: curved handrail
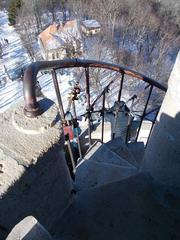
32, 109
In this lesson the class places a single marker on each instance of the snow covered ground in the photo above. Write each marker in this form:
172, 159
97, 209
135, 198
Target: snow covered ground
14, 59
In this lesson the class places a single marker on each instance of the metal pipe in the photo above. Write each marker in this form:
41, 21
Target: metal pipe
32, 108
130, 118
103, 107
144, 112
76, 131
88, 104
56, 86
121, 86
153, 122
100, 95
71, 154
58, 94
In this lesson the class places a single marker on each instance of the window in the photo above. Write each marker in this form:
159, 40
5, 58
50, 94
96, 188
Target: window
53, 56
57, 55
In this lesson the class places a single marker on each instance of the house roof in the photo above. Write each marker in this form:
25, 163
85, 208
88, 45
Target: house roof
56, 35
91, 24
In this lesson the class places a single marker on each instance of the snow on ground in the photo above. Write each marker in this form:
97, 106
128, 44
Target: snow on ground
14, 58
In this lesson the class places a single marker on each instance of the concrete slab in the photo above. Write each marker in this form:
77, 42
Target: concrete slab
92, 174
119, 147
26, 139
131, 209
105, 155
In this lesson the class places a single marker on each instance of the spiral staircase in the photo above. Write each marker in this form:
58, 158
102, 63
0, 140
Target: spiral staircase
113, 196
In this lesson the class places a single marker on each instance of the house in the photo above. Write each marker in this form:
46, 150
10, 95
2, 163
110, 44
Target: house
90, 27
61, 40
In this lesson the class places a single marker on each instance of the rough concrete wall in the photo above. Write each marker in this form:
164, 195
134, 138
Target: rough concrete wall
38, 182
162, 156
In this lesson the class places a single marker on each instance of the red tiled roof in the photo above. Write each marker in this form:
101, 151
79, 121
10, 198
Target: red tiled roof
47, 34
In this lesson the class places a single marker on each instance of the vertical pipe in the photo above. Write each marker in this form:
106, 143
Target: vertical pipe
58, 95
144, 111
88, 104
119, 99
121, 86
70, 152
76, 131
152, 127
103, 107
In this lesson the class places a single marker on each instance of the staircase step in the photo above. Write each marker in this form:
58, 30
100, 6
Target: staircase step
137, 149
134, 208
101, 153
119, 147
93, 149
91, 174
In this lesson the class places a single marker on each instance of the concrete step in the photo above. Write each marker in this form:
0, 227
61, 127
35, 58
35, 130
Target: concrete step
134, 208
101, 153
91, 174
137, 150
29, 228
120, 148
93, 149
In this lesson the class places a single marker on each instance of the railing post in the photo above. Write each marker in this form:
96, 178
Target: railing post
88, 104
58, 95
130, 117
153, 122
121, 86
102, 113
144, 111
76, 131
61, 109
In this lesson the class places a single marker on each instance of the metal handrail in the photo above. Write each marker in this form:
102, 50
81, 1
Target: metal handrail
32, 108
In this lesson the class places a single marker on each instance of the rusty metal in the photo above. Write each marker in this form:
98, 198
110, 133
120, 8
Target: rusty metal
88, 104
76, 131
58, 94
130, 117
103, 109
153, 122
70, 152
121, 86
144, 111
101, 94
32, 108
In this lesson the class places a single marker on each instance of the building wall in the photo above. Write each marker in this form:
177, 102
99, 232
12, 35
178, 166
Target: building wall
162, 156
88, 31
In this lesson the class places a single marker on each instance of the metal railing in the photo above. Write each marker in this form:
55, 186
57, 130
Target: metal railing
32, 108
